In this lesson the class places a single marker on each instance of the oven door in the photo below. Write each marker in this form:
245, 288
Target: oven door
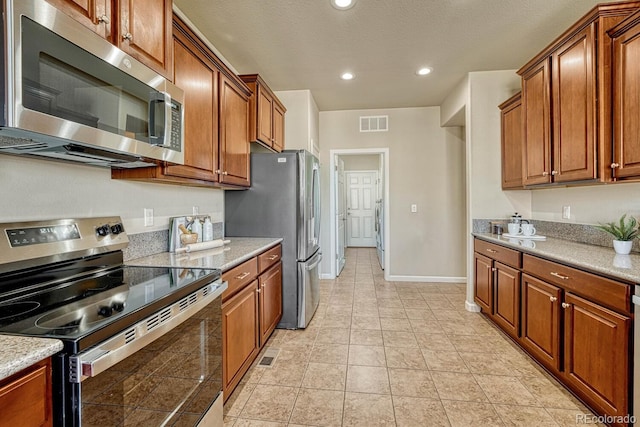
163, 370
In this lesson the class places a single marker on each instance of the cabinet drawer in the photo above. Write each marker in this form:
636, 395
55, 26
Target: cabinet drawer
268, 258
610, 293
499, 253
240, 276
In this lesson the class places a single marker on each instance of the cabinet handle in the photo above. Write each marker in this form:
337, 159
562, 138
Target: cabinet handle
243, 275
104, 19
218, 171
127, 36
258, 291
554, 173
615, 165
225, 173
553, 299
559, 276
565, 305
493, 251
272, 257
494, 269
545, 173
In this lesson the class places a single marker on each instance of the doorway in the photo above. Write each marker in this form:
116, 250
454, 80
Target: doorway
344, 162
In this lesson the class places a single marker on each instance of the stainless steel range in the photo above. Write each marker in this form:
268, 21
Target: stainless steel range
142, 345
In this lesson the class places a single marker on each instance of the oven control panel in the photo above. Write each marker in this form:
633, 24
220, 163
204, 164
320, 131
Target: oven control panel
22, 243
47, 234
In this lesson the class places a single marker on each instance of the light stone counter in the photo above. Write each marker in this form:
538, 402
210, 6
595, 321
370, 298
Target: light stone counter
596, 259
18, 353
239, 250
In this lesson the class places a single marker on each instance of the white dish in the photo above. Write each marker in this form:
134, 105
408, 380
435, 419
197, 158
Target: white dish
522, 236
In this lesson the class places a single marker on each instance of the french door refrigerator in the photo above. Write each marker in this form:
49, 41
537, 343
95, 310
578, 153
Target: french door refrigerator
284, 201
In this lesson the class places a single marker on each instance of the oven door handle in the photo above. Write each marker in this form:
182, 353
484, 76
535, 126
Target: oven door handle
114, 350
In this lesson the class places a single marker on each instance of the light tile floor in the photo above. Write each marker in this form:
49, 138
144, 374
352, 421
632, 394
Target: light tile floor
381, 353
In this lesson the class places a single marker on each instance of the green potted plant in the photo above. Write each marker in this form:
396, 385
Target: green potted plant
623, 232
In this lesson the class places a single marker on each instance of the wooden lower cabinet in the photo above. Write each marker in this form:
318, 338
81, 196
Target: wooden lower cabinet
25, 398
251, 310
270, 284
596, 351
541, 321
576, 324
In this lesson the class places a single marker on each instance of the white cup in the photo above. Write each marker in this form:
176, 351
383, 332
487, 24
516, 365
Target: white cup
528, 229
514, 229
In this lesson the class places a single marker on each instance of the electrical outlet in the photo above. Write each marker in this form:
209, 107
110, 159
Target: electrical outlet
148, 217
414, 208
566, 212
196, 210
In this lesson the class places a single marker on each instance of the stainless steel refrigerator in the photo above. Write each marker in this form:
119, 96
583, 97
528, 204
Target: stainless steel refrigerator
284, 201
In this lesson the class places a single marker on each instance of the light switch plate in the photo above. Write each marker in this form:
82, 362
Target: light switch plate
148, 217
414, 208
566, 212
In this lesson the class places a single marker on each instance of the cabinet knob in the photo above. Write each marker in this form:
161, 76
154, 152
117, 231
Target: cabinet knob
494, 269
225, 173
553, 299
104, 19
127, 36
545, 173
218, 171
565, 305
554, 173
615, 165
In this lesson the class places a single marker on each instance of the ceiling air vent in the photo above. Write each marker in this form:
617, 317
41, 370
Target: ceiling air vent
374, 123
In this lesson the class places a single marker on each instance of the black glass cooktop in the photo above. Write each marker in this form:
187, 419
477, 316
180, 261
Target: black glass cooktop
84, 309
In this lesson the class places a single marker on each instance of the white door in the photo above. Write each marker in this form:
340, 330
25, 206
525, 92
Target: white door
341, 215
361, 199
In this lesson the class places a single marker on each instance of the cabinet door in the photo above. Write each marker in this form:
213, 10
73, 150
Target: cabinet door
270, 284
93, 14
511, 141
199, 80
483, 282
541, 321
506, 302
536, 111
145, 32
278, 127
626, 103
265, 116
234, 134
596, 344
240, 336
574, 108
25, 398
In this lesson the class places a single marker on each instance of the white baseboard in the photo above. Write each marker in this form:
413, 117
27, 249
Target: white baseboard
433, 279
471, 306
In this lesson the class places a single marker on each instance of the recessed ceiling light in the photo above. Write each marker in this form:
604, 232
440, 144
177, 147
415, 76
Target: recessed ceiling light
424, 71
343, 4
347, 76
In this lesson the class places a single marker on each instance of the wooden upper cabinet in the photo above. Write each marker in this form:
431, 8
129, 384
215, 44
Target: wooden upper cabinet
573, 86
198, 77
141, 28
145, 32
234, 134
511, 142
266, 120
626, 99
566, 102
97, 15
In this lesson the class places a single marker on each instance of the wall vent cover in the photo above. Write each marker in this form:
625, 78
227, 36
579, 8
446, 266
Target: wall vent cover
374, 123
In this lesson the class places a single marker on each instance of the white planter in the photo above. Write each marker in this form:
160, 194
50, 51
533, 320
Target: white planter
622, 247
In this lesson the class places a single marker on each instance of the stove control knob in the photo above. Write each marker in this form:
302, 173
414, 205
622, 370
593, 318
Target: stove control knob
103, 230
117, 228
105, 311
118, 306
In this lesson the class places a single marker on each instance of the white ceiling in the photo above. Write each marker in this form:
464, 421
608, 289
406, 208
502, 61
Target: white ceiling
307, 44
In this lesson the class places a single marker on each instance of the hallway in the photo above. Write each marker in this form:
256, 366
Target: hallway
383, 353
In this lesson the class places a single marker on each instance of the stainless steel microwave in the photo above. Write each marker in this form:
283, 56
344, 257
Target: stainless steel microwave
71, 95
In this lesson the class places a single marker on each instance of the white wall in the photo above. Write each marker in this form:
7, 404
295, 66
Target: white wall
369, 162
301, 129
40, 189
426, 167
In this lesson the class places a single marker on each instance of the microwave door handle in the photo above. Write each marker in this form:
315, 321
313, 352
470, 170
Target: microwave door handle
155, 99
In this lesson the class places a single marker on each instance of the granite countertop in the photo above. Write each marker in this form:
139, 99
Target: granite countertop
18, 353
596, 259
237, 251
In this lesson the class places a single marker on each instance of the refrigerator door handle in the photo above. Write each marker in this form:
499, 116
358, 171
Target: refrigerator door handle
315, 264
